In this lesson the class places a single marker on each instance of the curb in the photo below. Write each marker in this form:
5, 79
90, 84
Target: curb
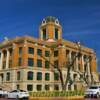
56, 98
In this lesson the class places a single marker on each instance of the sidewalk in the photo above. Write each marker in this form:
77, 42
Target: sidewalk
57, 98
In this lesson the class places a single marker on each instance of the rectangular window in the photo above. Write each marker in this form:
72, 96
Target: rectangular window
69, 87
39, 52
19, 61
47, 87
79, 67
30, 75
56, 33
20, 50
47, 65
5, 53
10, 63
39, 87
47, 53
56, 64
18, 75
56, 87
39, 76
4, 64
30, 87
39, 63
18, 86
56, 53
2, 77
30, 62
47, 76
10, 51
8, 76
30, 50
56, 76
44, 34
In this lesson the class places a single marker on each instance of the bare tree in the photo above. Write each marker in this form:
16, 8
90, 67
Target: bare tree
69, 65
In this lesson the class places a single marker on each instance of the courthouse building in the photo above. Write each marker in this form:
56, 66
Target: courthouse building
32, 64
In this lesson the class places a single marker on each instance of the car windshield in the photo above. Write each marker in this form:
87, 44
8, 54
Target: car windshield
14, 91
93, 87
22, 91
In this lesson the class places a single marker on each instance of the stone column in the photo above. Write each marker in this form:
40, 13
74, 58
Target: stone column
77, 64
70, 56
1, 60
82, 63
7, 59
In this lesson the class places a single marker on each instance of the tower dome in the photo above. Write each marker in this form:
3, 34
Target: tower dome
50, 28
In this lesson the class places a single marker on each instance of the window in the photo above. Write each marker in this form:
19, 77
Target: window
79, 67
31, 50
10, 51
39, 87
39, 63
56, 87
30, 62
47, 76
56, 76
47, 87
10, 63
39, 76
85, 67
47, 64
2, 76
18, 75
47, 53
56, 53
30, 87
30, 75
56, 33
5, 53
44, 34
18, 86
56, 64
69, 87
39, 52
8, 76
19, 61
74, 76
20, 50
4, 64
75, 87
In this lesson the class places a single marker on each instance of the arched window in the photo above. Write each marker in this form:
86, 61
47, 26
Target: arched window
30, 75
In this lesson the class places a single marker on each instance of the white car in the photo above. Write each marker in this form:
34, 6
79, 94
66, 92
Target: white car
3, 93
93, 91
18, 94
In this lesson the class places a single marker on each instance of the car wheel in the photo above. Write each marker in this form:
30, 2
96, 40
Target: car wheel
97, 95
17, 97
6, 96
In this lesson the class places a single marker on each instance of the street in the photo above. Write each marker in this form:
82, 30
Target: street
56, 99
10, 99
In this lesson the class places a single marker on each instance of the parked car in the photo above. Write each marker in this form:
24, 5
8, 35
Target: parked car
18, 94
93, 91
3, 93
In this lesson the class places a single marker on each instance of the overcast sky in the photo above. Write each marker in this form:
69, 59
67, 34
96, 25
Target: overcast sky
80, 19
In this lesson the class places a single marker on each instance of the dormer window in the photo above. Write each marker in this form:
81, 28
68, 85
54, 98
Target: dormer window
56, 21
44, 21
